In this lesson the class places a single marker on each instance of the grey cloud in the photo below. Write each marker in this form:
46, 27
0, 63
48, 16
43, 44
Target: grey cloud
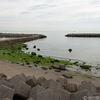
43, 6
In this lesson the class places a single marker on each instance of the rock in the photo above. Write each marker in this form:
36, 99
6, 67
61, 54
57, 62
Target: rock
56, 60
51, 84
53, 67
35, 90
3, 76
6, 83
89, 86
47, 95
40, 56
6, 92
38, 49
81, 95
57, 70
22, 89
17, 78
44, 68
67, 75
31, 80
62, 67
34, 46
62, 80
63, 95
70, 87
41, 80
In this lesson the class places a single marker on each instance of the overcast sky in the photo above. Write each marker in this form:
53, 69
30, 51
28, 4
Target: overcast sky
38, 15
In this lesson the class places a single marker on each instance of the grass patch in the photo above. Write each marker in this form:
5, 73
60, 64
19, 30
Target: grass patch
15, 54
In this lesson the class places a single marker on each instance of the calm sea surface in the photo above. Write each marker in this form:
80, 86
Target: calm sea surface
56, 45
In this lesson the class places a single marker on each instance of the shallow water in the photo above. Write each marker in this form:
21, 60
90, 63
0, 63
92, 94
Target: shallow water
57, 45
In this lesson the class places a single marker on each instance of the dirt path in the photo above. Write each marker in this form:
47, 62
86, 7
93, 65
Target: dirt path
13, 69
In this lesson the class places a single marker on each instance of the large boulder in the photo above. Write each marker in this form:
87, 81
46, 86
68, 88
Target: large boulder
47, 95
35, 90
70, 87
63, 95
62, 80
41, 80
17, 78
22, 89
81, 95
89, 86
51, 84
6, 92
31, 80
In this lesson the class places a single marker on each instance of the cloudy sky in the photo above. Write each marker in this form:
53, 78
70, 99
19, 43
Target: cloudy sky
38, 15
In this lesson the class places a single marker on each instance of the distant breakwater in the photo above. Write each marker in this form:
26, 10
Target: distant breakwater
19, 37
83, 35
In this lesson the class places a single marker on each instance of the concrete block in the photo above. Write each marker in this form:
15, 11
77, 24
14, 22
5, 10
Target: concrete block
35, 90
6, 92
22, 89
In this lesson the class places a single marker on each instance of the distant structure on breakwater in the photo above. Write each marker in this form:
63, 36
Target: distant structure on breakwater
83, 35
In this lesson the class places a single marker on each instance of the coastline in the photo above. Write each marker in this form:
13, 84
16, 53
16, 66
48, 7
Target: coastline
12, 69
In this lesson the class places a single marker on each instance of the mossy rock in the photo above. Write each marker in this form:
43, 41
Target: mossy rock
86, 66
44, 68
33, 54
39, 55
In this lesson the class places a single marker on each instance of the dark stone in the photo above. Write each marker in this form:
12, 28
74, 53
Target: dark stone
34, 46
38, 49
67, 75
39, 55
57, 70
62, 67
44, 68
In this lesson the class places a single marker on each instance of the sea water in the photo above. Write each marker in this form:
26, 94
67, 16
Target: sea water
56, 45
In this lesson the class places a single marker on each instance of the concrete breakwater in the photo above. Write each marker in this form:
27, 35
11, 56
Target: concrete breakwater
83, 35
20, 38
22, 87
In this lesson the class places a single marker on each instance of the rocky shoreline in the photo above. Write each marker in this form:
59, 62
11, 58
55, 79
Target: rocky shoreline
22, 87
20, 37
